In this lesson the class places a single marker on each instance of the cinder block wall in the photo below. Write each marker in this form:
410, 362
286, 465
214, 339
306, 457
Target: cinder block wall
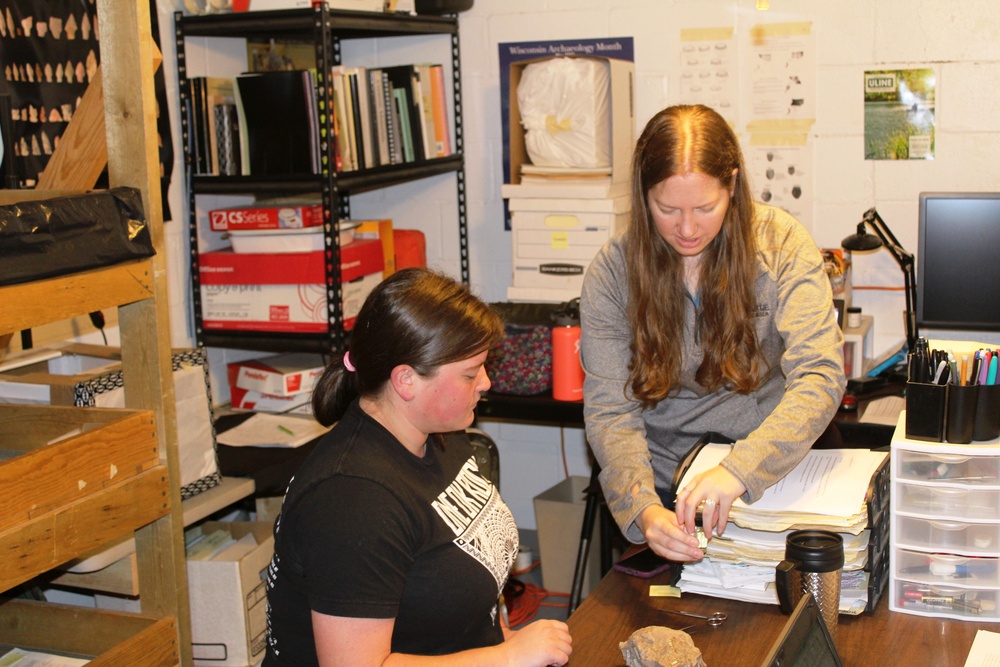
957, 39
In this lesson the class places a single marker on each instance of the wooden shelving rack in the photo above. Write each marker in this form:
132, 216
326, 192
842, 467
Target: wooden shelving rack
118, 474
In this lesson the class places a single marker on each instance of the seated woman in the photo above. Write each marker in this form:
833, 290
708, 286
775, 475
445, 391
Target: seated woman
391, 547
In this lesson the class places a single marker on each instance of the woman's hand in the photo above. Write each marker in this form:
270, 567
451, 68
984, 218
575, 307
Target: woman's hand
717, 489
666, 535
539, 644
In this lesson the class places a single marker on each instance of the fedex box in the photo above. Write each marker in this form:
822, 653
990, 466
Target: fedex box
284, 292
280, 375
554, 243
618, 52
228, 598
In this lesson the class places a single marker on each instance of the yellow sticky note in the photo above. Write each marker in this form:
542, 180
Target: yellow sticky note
664, 592
560, 240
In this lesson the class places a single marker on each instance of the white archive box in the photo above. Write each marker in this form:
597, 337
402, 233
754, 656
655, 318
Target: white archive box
228, 597
554, 241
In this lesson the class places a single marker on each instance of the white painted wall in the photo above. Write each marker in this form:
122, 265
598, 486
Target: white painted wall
959, 39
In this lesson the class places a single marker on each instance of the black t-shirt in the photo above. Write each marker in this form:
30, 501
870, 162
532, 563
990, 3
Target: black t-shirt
368, 530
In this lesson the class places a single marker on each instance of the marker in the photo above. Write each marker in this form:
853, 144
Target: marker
965, 369
991, 375
285, 429
984, 367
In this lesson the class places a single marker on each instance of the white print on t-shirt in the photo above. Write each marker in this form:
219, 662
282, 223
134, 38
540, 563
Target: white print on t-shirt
483, 525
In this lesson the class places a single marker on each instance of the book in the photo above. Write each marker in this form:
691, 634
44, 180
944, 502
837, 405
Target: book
392, 121
399, 96
345, 139
218, 94
401, 81
379, 119
365, 118
276, 119
227, 132
425, 106
357, 119
442, 134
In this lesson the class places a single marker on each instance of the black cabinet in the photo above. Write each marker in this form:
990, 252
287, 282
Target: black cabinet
325, 29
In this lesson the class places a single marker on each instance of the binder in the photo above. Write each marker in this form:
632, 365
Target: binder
277, 121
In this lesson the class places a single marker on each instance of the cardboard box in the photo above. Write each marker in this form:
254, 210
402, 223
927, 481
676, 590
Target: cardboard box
559, 519
91, 376
280, 374
619, 54
242, 399
381, 230
228, 599
284, 292
257, 217
541, 294
552, 250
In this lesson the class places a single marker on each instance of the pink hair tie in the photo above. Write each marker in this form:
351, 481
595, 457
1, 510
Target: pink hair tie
347, 362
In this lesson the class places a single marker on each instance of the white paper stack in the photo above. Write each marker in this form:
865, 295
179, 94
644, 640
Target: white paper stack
827, 490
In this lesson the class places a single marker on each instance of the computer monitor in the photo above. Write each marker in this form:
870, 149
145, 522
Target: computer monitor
958, 261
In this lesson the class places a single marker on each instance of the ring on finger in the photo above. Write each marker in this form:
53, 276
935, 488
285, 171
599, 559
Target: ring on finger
710, 502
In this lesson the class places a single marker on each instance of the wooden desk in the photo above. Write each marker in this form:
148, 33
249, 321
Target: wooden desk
620, 604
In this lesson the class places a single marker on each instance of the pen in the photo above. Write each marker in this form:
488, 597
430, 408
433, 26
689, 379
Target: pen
939, 373
285, 429
984, 367
977, 362
965, 369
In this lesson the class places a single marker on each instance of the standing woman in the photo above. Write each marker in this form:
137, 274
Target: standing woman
391, 547
710, 313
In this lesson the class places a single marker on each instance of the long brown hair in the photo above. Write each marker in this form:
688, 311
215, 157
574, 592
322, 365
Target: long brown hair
416, 317
682, 140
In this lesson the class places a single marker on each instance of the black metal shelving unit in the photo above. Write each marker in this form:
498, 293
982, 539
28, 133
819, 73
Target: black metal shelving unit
326, 28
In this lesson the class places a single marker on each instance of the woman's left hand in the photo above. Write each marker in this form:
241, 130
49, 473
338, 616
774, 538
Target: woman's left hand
717, 489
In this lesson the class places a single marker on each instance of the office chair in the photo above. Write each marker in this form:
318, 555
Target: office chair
487, 454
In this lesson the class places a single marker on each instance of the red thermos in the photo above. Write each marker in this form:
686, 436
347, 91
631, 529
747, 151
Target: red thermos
567, 373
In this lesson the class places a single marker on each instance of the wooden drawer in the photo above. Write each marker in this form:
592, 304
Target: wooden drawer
98, 480
111, 638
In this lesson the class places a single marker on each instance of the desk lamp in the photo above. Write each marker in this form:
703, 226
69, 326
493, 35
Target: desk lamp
883, 236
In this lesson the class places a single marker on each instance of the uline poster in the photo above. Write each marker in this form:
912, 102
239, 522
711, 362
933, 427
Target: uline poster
899, 114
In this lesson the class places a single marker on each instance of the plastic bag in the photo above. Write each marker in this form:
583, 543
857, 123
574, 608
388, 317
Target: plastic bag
566, 112
62, 235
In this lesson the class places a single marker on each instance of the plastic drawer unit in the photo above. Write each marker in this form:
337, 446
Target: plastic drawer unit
944, 539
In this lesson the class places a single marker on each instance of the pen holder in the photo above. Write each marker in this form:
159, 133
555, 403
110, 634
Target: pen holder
926, 410
987, 425
961, 413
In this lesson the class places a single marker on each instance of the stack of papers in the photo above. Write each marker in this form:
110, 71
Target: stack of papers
827, 490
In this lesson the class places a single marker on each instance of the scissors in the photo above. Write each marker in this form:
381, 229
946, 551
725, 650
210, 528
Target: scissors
715, 620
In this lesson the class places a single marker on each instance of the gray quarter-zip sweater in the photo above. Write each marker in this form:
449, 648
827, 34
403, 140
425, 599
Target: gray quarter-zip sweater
802, 345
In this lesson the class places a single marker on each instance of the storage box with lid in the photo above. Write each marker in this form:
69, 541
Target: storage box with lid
284, 292
944, 538
554, 241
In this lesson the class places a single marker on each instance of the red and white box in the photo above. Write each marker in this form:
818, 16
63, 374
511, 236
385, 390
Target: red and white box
283, 292
278, 375
242, 399
242, 218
